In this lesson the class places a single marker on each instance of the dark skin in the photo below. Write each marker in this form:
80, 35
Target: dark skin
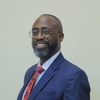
51, 23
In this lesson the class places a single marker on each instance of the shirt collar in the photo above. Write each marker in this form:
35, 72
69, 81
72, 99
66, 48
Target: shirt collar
46, 65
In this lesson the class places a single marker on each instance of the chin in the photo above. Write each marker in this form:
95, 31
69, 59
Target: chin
41, 53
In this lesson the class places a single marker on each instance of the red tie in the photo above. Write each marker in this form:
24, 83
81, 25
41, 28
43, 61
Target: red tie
38, 70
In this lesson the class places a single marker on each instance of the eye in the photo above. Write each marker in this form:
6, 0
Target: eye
35, 32
46, 31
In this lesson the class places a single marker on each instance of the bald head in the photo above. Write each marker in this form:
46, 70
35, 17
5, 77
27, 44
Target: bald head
52, 20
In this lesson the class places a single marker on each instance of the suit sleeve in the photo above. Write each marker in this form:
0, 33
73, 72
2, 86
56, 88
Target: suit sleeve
77, 87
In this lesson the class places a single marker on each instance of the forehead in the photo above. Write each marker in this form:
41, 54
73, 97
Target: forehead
45, 21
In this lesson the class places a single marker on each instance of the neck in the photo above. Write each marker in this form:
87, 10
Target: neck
44, 59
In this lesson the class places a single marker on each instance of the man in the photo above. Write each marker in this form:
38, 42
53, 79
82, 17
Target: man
60, 80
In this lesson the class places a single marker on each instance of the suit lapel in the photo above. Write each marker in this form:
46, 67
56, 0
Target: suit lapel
48, 75
42, 82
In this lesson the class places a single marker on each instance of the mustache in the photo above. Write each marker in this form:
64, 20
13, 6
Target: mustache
40, 42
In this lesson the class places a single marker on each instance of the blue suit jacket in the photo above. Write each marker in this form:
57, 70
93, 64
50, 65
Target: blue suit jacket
62, 81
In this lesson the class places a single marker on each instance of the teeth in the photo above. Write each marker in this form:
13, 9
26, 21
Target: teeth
40, 44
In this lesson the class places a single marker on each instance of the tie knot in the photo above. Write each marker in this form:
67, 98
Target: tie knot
39, 69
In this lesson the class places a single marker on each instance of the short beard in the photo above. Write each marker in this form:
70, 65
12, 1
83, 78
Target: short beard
42, 53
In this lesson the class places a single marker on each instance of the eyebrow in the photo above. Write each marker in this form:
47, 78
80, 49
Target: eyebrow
41, 28
34, 28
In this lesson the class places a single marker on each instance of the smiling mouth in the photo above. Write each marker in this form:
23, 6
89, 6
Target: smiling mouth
40, 45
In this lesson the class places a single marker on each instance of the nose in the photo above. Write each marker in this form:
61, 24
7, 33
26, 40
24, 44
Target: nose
39, 36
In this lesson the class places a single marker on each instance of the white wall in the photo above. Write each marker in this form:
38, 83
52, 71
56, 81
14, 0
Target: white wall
81, 45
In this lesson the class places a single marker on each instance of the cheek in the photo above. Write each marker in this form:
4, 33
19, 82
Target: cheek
53, 41
33, 40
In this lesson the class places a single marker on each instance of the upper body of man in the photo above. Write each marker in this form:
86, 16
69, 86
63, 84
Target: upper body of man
61, 80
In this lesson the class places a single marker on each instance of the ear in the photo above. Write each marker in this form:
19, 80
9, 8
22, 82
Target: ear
61, 37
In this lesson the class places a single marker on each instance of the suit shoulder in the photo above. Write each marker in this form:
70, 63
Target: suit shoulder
31, 69
29, 72
72, 71
70, 66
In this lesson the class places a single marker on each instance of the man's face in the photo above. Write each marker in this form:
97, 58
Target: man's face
44, 44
